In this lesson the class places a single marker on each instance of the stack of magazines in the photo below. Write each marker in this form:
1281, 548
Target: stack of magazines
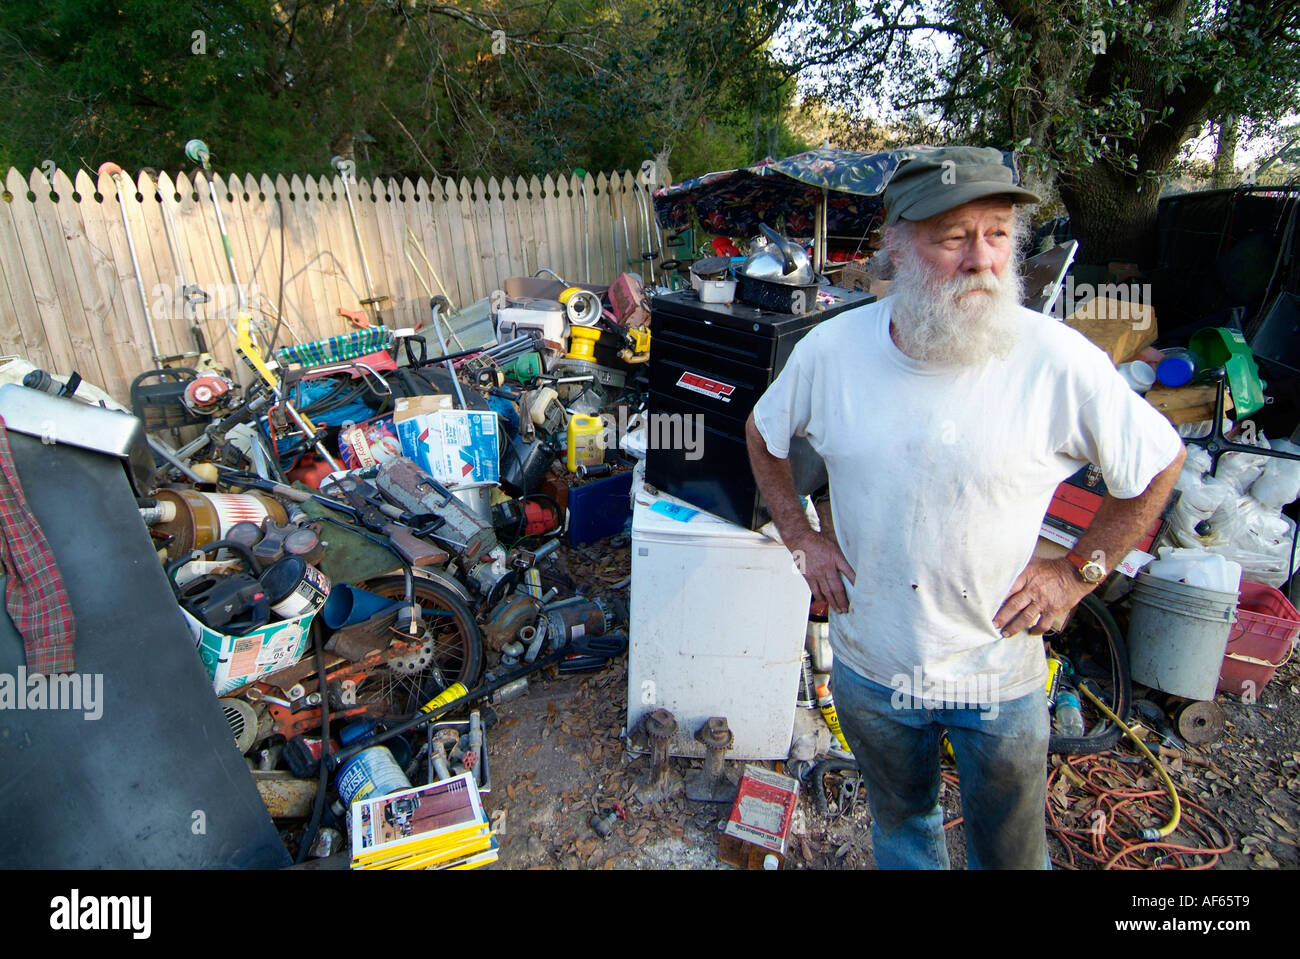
439, 826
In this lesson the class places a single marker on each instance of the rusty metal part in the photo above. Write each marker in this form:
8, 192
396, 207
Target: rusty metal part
284, 795
711, 783
507, 618
356, 642
662, 782
1200, 721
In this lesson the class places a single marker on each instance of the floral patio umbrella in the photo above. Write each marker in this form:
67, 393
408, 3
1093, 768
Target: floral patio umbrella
734, 202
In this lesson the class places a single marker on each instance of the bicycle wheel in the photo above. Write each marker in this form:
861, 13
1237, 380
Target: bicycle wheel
1091, 632
451, 651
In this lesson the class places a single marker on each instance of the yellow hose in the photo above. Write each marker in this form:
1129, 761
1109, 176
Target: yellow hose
1148, 834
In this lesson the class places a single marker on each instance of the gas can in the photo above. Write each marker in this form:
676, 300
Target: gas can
586, 441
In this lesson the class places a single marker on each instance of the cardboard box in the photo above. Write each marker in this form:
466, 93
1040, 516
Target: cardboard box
232, 661
455, 447
1120, 327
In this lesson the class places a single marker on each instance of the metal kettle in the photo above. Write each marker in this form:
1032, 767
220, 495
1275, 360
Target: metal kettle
781, 261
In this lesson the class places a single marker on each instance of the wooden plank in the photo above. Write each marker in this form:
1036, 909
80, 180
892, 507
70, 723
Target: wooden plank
313, 298
500, 235
198, 221
486, 240
130, 344
339, 246
167, 297
11, 334
250, 240
319, 317
371, 200
437, 244
408, 302
297, 289
271, 269
426, 233
157, 270
13, 262
608, 245
202, 267
510, 225
67, 309
458, 245
338, 237
548, 222
540, 238
568, 209
390, 277
473, 247
95, 300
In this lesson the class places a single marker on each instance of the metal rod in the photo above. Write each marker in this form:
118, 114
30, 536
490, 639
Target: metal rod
345, 168
115, 171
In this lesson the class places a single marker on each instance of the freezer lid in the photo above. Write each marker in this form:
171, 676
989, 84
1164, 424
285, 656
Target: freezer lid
660, 515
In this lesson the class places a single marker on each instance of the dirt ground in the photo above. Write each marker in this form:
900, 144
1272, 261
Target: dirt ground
558, 758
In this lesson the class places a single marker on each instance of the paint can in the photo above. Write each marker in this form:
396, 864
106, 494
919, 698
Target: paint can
195, 518
295, 588
370, 773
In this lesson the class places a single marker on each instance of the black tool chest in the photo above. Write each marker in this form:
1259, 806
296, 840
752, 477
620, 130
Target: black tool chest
716, 360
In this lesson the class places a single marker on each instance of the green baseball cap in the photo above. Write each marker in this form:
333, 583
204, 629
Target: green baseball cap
939, 179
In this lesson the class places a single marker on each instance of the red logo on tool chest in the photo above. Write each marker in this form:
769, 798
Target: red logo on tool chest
702, 384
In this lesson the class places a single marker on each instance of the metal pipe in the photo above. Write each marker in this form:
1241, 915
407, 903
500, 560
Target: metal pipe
115, 171
345, 167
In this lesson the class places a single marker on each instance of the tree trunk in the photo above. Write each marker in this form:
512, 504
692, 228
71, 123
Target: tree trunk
1225, 155
1110, 217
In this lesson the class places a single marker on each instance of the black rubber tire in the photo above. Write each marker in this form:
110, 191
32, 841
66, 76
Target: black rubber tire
458, 652
1106, 734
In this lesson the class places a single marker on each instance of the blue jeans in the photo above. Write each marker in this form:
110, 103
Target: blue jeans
1001, 763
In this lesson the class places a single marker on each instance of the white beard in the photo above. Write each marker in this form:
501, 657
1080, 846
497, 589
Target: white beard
943, 323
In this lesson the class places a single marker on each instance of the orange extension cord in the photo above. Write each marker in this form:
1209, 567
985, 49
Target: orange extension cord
1126, 810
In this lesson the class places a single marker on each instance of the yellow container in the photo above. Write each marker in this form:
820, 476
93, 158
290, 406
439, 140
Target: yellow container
586, 442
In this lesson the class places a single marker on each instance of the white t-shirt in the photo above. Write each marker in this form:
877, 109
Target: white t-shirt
940, 479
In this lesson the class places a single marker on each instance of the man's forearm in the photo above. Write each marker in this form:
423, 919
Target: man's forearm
1120, 523
776, 483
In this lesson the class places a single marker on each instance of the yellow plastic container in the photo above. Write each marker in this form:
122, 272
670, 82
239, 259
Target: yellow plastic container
586, 441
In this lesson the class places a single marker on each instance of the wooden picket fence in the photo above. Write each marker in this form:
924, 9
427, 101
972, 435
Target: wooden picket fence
68, 291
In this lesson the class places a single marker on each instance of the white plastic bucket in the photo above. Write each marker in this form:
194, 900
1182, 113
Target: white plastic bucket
1178, 634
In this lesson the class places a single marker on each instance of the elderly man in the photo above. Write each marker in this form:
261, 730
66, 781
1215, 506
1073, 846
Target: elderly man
947, 414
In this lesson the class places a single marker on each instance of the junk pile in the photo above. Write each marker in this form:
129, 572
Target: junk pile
393, 512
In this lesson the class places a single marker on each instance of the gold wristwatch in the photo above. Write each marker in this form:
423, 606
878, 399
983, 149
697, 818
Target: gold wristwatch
1089, 570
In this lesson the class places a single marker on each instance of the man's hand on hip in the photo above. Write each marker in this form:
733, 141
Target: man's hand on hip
1044, 592
818, 557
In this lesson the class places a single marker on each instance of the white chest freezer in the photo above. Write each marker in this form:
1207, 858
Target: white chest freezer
718, 619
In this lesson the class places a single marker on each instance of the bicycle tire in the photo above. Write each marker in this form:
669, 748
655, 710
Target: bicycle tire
454, 656
1107, 734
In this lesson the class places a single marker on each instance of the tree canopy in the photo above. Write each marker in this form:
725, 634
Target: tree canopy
1099, 95
407, 87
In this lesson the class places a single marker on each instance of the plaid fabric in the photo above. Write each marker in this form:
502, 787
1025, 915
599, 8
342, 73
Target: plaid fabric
347, 346
34, 593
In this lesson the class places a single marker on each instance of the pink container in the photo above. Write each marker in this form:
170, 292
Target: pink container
1261, 640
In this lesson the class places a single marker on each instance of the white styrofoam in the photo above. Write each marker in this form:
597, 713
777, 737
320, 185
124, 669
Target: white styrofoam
718, 618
